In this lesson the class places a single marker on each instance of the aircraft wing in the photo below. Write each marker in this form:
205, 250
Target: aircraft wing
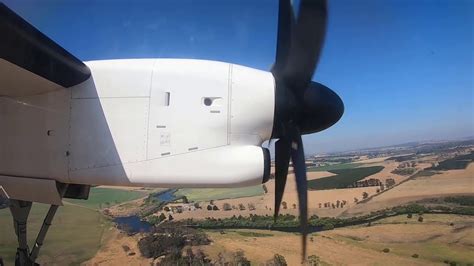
30, 62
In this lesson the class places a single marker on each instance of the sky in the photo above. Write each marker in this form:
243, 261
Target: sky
404, 69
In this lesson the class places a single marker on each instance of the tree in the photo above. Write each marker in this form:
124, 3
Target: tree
420, 219
211, 202
389, 182
251, 206
240, 259
241, 207
314, 260
356, 200
409, 216
226, 207
338, 202
294, 206
265, 189
185, 199
365, 195
196, 205
279, 260
319, 204
170, 218
209, 207
215, 208
283, 203
162, 217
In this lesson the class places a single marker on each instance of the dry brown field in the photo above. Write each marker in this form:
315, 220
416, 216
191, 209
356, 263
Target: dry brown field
446, 183
113, 253
434, 241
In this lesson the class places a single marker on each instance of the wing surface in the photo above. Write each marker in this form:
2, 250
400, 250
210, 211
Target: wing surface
30, 62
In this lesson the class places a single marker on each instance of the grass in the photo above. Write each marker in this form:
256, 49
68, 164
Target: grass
334, 167
343, 177
75, 236
424, 173
207, 194
105, 197
431, 251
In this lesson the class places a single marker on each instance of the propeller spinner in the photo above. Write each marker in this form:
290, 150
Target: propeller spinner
302, 106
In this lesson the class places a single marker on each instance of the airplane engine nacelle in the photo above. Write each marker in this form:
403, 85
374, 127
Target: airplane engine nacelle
227, 166
252, 105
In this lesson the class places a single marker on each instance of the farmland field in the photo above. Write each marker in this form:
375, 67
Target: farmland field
206, 194
434, 241
343, 177
105, 197
459, 162
334, 167
75, 236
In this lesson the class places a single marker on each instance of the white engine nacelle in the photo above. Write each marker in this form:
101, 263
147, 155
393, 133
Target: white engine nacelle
154, 122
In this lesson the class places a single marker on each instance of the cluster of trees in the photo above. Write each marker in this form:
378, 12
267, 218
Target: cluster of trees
212, 207
389, 182
404, 171
289, 222
461, 200
365, 195
338, 204
372, 182
169, 240
189, 257
153, 219
284, 206
277, 260
402, 158
252, 221
227, 207
237, 258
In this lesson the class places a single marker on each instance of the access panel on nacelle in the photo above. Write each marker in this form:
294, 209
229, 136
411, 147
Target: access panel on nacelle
189, 107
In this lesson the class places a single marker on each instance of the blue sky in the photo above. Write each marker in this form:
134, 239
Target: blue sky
403, 68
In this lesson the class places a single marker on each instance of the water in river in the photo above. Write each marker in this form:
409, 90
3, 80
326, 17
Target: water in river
132, 224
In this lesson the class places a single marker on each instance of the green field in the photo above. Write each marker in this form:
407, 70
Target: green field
105, 197
74, 237
334, 167
206, 194
343, 177
459, 162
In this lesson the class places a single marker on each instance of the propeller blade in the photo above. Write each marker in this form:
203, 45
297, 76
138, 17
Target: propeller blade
299, 166
306, 44
282, 161
286, 20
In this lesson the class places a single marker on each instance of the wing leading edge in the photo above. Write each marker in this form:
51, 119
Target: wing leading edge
23, 47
